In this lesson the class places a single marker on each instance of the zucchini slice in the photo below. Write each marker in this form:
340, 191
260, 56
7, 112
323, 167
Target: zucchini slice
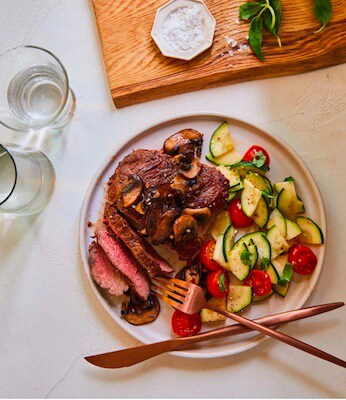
213, 316
218, 255
288, 204
293, 229
228, 241
261, 214
273, 275
276, 218
232, 176
279, 264
244, 167
232, 196
256, 299
250, 198
220, 224
236, 265
221, 141
253, 250
232, 157
259, 240
259, 181
238, 298
277, 242
289, 186
311, 232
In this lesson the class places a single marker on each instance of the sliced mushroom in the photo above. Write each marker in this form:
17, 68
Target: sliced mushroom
141, 312
156, 210
185, 141
179, 185
131, 193
192, 170
165, 227
140, 208
198, 213
190, 273
184, 228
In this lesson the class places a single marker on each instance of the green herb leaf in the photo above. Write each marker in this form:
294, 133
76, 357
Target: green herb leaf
222, 283
266, 194
249, 10
264, 263
323, 12
286, 275
272, 18
289, 179
246, 257
255, 37
259, 159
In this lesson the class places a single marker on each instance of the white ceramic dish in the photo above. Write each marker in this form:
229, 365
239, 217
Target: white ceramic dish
284, 162
161, 15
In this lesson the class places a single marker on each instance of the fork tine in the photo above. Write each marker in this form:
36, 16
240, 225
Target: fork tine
166, 299
172, 288
184, 285
166, 291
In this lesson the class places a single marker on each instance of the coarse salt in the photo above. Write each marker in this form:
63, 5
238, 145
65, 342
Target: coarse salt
184, 29
231, 42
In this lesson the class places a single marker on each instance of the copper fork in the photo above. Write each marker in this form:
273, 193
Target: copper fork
189, 298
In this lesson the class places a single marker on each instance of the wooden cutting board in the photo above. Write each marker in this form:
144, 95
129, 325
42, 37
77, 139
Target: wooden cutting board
138, 72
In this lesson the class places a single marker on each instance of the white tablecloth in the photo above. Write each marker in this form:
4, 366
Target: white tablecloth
48, 314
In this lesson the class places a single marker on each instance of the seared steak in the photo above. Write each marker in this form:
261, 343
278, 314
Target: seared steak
122, 259
210, 190
140, 249
104, 273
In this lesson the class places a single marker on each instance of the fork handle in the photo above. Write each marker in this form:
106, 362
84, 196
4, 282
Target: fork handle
279, 336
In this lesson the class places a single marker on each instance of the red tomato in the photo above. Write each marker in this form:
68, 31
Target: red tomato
185, 324
206, 256
238, 218
217, 283
260, 282
251, 153
303, 260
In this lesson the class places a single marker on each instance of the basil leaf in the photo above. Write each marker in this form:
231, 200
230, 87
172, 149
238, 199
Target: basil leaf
259, 159
286, 275
255, 37
289, 179
264, 263
246, 257
249, 10
323, 12
222, 283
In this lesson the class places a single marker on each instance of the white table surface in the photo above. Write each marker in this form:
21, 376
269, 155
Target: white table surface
48, 314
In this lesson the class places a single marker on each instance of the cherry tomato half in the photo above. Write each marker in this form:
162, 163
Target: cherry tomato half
260, 282
217, 283
185, 324
238, 218
206, 256
303, 260
253, 150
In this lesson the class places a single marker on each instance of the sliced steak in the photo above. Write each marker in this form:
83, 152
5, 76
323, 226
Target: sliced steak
210, 190
141, 250
104, 273
154, 168
122, 259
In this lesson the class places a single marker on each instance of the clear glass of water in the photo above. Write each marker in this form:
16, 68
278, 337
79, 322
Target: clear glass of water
27, 180
34, 90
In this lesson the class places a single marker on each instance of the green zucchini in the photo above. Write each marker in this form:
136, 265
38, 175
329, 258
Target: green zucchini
250, 198
311, 232
288, 204
235, 183
218, 255
232, 157
293, 229
259, 240
273, 275
244, 167
228, 241
277, 242
259, 181
213, 316
236, 265
238, 298
261, 214
256, 299
276, 218
221, 141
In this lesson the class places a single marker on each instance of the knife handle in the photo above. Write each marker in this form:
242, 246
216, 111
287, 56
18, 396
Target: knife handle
135, 355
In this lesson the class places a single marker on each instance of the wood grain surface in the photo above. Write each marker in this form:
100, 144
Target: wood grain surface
138, 72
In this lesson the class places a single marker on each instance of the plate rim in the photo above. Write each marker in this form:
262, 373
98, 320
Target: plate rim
256, 340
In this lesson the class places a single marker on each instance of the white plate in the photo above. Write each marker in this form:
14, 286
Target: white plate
284, 162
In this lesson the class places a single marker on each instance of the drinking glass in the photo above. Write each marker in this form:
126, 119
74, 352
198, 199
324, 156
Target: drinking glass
27, 180
34, 90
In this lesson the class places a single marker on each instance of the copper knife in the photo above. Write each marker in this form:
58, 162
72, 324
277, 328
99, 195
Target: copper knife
135, 355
